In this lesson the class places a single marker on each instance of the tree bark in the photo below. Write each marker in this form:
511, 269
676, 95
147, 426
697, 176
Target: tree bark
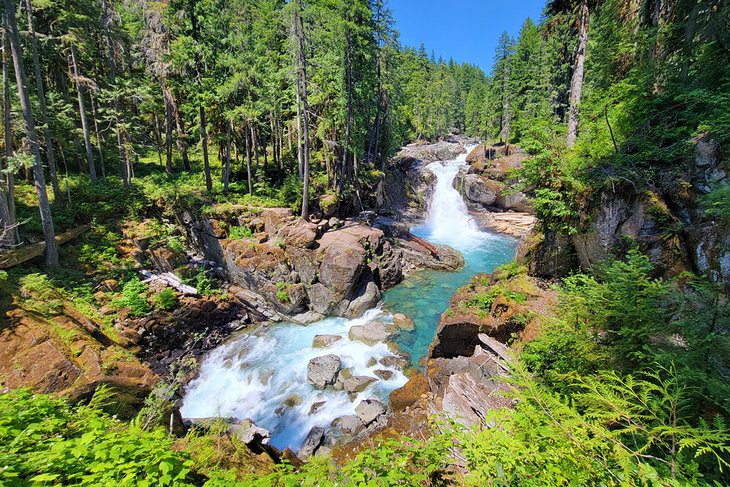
99, 144
39, 179
198, 76
298, 30
82, 114
576, 82
14, 237
42, 103
249, 176
227, 166
167, 97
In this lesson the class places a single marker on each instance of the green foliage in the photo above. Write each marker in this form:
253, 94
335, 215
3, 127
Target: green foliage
165, 300
239, 232
717, 203
133, 297
47, 442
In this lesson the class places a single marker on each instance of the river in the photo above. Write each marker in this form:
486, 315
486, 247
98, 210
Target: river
263, 376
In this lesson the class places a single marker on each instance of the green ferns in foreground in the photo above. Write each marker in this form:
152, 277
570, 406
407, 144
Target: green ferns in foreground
615, 430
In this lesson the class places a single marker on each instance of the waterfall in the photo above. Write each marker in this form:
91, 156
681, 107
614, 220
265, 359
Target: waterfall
448, 221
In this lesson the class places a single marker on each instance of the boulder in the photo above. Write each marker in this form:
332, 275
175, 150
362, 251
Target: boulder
323, 371
369, 410
250, 434
405, 396
324, 341
312, 442
300, 234
478, 190
384, 374
358, 383
349, 425
308, 318
394, 361
370, 333
367, 297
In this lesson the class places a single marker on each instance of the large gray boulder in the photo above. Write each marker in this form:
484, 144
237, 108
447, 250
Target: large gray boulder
369, 410
358, 383
312, 442
322, 371
371, 333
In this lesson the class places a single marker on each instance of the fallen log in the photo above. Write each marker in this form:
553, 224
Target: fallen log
11, 258
430, 247
171, 280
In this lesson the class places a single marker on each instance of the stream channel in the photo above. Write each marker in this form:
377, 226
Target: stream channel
263, 375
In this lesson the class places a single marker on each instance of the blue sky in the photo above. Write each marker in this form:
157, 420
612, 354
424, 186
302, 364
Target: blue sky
466, 30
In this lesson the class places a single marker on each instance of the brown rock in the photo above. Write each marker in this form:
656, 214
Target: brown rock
401, 398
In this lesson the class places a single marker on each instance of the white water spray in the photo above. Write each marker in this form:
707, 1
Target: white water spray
448, 221
264, 378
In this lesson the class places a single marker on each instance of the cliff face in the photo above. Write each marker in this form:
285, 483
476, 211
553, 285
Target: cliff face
667, 219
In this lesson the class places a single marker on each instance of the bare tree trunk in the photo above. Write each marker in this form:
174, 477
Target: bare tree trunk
82, 114
300, 160
167, 97
14, 236
182, 145
576, 83
249, 176
99, 145
227, 167
39, 179
204, 141
42, 103
158, 137
344, 168
298, 30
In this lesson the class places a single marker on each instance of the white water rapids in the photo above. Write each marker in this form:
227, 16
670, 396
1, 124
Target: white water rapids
263, 376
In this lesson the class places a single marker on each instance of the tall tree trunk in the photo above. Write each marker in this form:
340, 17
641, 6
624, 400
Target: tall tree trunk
204, 141
39, 180
201, 108
298, 29
227, 166
344, 168
249, 176
576, 83
158, 137
180, 140
82, 114
167, 97
14, 237
125, 164
99, 142
300, 159
42, 103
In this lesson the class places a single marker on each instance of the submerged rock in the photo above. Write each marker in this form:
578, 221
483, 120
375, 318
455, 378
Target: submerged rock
323, 371
324, 341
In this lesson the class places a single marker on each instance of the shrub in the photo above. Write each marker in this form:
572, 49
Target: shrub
165, 300
133, 297
46, 442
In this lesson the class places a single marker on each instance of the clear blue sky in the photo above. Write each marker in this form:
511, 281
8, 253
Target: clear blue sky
466, 30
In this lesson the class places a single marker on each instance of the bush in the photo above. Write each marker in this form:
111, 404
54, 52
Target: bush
46, 442
133, 297
165, 300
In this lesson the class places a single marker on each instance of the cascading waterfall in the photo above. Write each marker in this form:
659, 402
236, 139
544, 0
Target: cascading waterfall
263, 376
448, 221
